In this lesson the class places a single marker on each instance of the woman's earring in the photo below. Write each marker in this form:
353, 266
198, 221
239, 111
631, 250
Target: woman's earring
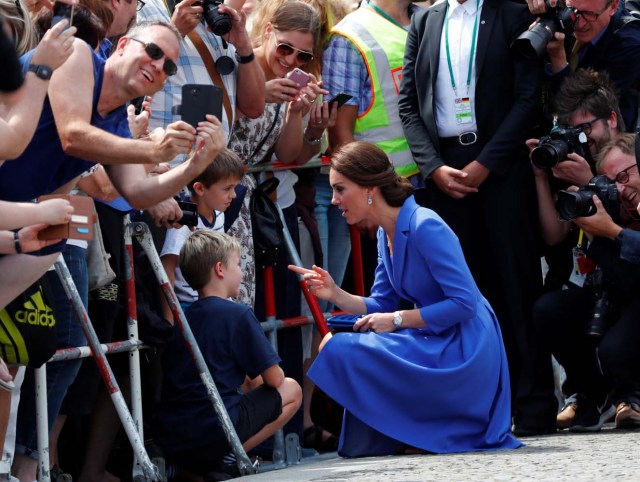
369, 200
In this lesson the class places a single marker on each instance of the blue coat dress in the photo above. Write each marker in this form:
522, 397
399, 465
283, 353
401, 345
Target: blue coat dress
444, 388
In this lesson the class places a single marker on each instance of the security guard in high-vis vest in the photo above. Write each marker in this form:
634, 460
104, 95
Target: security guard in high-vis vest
364, 59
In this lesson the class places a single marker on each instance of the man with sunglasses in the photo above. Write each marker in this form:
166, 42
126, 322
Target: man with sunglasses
230, 56
610, 373
606, 38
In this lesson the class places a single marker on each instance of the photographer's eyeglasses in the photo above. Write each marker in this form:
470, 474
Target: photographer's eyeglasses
623, 176
285, 50
593, 16
169, 67
139, 5
587, 127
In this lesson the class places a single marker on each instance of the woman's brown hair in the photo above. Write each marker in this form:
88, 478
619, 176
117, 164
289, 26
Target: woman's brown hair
368, 166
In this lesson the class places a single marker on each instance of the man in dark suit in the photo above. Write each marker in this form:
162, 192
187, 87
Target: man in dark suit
467, 104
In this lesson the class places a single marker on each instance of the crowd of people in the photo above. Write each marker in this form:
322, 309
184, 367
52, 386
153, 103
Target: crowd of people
486, 151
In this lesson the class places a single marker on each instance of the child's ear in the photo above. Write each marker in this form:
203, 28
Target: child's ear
218, 268
198, 188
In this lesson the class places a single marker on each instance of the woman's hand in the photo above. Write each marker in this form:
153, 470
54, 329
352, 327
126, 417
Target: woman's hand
376, 322
321, 117
319, 281
280, 90
56, 46
306, 96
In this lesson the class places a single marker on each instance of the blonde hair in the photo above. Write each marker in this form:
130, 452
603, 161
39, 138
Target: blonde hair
625, 142
330, 12
16, 14
201, 252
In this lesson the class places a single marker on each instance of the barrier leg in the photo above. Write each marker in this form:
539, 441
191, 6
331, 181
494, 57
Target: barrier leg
270, 312
150, 471
142, 234
134, 355
312, 301
42, 423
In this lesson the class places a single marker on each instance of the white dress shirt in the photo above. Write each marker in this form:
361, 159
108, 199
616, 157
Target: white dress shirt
461, 18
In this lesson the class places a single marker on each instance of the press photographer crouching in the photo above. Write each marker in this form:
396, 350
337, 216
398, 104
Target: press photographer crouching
588, 117
601, 363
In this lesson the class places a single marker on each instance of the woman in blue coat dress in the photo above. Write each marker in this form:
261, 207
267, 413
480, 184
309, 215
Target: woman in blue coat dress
434, 377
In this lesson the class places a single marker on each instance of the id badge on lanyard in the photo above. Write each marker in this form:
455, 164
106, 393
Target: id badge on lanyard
463, 110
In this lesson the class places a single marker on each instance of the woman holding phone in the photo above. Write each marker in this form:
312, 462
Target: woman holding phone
284, 45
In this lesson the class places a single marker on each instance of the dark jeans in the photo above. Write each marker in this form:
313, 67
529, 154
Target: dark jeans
593, 368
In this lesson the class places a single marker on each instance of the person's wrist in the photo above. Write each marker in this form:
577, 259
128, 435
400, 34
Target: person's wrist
16, 242
310, 138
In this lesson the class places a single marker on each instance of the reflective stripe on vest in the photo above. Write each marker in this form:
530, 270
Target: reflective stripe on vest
381, 44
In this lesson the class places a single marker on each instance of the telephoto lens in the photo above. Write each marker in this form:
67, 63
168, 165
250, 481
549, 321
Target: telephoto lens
219, 23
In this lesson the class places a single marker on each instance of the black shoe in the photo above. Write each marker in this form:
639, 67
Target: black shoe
226, 469
591, 416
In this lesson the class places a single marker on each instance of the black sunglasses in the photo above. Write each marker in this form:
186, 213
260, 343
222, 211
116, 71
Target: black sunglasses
587, 127
286, 50
169, 67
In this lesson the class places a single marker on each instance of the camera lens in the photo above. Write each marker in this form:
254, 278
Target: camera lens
532, 43
219, 23
574, 204
548, 154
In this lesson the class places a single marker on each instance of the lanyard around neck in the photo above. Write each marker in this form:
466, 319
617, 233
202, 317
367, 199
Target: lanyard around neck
385, 15
471, 55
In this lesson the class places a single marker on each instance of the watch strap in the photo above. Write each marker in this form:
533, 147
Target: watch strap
42, 71
245, 59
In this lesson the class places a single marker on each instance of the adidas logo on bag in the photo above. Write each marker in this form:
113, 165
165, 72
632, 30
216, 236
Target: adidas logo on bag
36, 312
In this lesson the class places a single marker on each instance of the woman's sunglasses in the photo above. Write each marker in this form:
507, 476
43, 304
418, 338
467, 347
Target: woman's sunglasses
285, 50
169, 67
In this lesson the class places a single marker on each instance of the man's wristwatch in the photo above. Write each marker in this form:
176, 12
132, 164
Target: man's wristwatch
397, 319
245, 59
42, 71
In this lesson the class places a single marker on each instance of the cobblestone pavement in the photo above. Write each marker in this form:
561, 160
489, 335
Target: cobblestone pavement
610, 455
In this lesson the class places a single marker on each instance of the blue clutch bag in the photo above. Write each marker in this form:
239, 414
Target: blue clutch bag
342, 322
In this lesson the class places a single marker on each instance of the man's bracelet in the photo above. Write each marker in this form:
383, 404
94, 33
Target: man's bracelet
16, 243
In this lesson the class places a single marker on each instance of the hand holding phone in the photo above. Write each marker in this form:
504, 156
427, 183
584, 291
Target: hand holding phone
82, 220
300, 77
340, 99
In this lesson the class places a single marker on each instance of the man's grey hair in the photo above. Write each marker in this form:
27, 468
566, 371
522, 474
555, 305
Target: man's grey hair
155, 23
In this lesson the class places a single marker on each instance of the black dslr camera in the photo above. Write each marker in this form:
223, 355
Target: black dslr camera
219, 23
554, 148
533, 42
189, 213
575, 204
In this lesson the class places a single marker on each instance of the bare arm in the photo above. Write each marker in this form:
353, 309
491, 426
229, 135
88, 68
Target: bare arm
170, 263
321, 284
20, 122
17, 215
71, 96
273, 376
342, 131
142, 191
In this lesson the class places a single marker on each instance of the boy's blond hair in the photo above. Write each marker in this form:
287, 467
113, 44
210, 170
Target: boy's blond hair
200, 253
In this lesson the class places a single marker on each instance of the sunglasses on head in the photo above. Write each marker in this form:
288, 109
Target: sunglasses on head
285, 50
152, 50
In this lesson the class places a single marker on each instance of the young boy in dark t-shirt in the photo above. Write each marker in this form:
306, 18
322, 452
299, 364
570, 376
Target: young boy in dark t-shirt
234, 348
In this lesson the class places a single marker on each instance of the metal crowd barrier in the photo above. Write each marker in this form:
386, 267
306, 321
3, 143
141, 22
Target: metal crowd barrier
144, 468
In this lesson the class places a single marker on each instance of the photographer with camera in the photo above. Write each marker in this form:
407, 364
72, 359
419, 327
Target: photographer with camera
594, 326
588, 117
600, 34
